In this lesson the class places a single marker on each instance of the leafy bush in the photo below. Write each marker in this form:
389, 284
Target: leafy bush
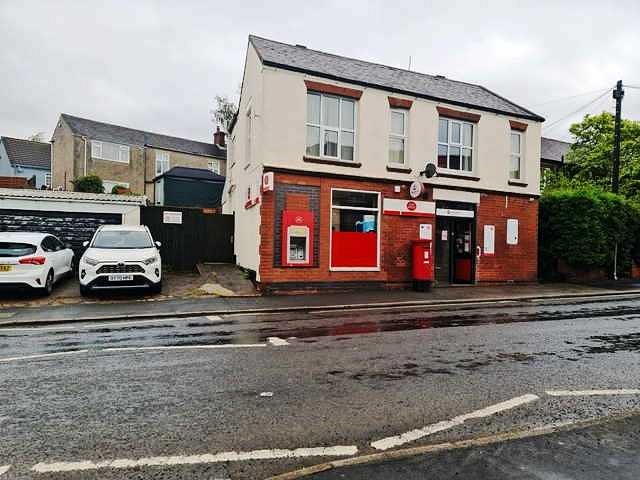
89, 184
581, 226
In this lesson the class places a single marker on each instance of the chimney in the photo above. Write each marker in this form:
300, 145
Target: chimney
218, 138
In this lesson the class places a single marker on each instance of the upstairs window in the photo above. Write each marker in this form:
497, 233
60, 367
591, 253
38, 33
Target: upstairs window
455, 145
214, 166
398, 137
515, 161
110, 151
162, 162
331, 127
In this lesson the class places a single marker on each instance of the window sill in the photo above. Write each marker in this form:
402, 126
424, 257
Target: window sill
398, 169
463, 176
327, 161
354, 269
518, 183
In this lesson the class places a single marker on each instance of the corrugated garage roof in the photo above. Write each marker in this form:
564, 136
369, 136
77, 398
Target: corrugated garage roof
72, 196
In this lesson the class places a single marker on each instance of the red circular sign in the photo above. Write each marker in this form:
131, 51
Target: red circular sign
411, 206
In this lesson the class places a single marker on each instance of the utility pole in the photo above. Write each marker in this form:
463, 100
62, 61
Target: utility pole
618, 93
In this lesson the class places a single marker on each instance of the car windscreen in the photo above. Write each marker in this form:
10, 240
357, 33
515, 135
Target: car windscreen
14, 249
122, 239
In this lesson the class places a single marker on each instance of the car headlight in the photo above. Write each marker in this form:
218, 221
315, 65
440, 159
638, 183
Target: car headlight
90, 261
150, 260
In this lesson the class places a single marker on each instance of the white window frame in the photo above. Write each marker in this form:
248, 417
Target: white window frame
460, 145
97, 151
339, 129
47, 180
167, 160
113, 183
364, 209
520, 156
405, 117
210, 163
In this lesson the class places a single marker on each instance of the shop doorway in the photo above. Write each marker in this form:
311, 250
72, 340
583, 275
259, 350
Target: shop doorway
455, 245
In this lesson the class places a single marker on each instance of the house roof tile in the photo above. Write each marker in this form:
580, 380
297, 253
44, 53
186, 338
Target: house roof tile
129, 136
28, 153
435, 87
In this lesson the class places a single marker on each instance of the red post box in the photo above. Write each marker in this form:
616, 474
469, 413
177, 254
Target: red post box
422, 271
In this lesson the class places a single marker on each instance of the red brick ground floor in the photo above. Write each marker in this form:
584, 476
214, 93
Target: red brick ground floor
322, 232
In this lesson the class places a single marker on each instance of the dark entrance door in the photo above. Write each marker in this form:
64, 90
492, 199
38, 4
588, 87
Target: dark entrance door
462, 250
455, 243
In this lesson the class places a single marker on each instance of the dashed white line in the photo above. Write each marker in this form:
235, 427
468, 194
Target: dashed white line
184, 347
214, 318
4, 469
590, 393
336, 451
41, 355
277, 341
390, 442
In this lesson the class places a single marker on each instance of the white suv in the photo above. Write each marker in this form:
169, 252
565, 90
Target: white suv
121, 256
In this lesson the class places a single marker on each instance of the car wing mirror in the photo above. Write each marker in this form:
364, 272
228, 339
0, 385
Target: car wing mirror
85, 243
158, 244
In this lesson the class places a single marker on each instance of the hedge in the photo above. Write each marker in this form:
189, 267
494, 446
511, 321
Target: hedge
581, 228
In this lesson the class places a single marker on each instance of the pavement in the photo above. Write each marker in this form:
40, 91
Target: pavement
112, 306
248, 396
606, 451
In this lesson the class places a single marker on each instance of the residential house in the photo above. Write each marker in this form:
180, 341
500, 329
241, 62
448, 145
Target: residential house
552, 153
26, 159
325, 174
125, 156
189, 187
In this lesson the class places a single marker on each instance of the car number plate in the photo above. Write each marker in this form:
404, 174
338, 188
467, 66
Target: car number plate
5, 268
120, 278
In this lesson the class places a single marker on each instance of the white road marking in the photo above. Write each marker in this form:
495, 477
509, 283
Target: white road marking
41, 355
68, 326
390, 442
57, 467
214, 318
587, 393
277, 341
183, 347
4, 469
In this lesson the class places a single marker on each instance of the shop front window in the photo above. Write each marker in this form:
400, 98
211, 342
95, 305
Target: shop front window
355, 225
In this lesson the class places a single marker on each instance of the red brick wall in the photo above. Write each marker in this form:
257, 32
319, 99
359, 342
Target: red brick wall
518, 263
396, 235
510, 262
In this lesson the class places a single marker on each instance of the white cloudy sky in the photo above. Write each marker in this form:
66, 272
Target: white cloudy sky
157, 65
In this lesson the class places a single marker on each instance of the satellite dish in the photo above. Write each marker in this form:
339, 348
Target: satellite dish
429, 171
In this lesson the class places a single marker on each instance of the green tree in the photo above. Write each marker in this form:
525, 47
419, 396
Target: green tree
590, 159
224, 112
89, 184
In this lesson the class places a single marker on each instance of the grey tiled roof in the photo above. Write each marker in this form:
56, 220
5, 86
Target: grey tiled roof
28, 153
553, 150
193, 173
302, 59
129, 136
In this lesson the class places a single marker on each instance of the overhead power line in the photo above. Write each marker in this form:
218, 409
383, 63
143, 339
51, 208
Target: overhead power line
555, 122
560, 99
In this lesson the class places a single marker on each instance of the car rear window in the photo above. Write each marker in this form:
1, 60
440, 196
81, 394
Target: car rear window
14, 249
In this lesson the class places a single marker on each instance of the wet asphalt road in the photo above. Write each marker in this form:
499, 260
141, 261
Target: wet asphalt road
603, 452
341, 380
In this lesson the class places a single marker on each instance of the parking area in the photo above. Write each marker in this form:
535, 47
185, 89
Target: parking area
209, 280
